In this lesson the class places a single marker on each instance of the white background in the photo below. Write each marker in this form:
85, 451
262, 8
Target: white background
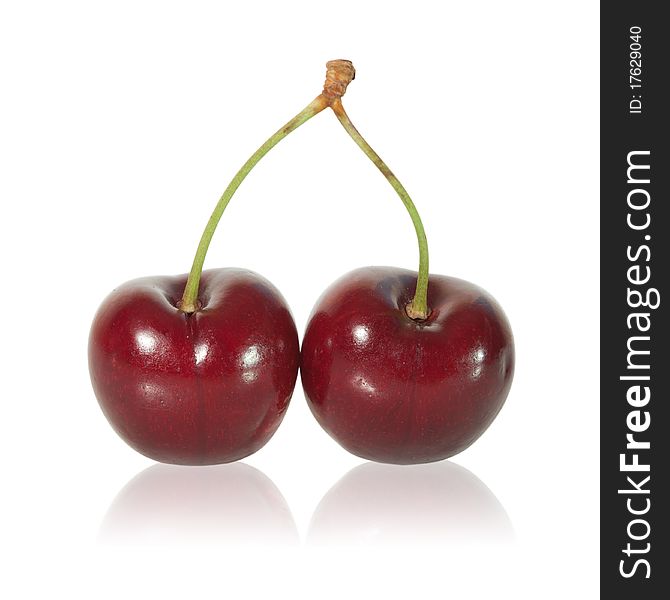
120, 125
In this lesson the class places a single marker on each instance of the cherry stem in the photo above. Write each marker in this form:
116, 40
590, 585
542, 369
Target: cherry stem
339, 73
418, 308
189, 301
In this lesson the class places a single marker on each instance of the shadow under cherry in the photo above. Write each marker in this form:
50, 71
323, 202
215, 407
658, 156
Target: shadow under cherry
383, 504
224, 504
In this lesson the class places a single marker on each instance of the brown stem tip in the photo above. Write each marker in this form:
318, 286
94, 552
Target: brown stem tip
339, 74
414, 314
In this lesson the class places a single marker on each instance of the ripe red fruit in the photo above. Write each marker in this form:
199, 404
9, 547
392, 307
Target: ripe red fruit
393, 389
201, 388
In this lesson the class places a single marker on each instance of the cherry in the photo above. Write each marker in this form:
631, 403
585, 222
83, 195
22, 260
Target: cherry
201, 388
399, 366
393, 389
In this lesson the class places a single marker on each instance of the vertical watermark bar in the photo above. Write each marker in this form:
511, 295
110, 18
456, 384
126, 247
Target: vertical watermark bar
635, 331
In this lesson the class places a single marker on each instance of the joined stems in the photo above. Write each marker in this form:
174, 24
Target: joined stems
339, 74
418, 307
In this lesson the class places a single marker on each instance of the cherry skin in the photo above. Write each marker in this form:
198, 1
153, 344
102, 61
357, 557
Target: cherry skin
205, 388
395, 390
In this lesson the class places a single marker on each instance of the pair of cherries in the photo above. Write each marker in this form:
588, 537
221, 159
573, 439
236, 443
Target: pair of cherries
397, 366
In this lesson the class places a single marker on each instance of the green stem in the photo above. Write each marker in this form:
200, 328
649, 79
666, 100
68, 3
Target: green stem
189, 301
418, 307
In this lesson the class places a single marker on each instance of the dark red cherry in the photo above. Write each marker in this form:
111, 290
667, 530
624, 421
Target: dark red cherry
202, 388
392, 389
